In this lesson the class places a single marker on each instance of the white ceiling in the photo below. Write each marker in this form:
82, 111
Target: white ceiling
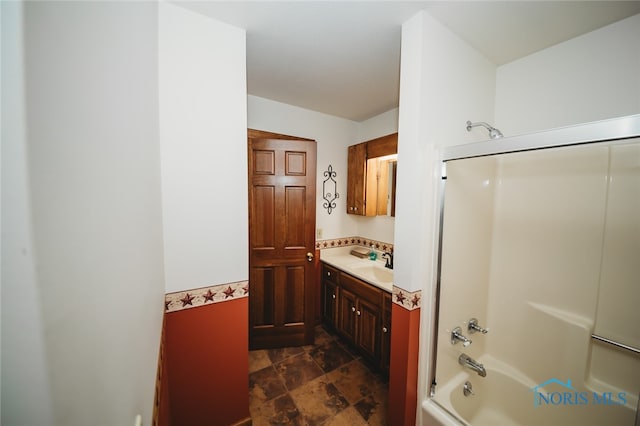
343, 57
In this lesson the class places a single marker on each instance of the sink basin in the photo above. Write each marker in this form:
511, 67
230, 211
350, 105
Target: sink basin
374, 272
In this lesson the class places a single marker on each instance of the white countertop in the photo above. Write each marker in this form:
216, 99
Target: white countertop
371, 271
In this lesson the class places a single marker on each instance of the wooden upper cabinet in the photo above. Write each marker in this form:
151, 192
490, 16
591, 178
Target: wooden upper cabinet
356, 175
385, 145
362, 175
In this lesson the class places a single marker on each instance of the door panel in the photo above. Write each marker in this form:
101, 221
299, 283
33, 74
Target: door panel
369, 328
347, 314
261, 301
294, 292
282, 174
294, 217
263, 204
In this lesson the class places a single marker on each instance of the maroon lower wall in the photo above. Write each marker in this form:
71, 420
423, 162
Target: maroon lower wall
207, 363
403, 374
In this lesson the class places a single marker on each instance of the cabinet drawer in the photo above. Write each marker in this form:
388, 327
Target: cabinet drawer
330, 273
362, 289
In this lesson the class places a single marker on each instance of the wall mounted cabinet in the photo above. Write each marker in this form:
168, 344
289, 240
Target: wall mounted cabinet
356, 179
359, 312
370, 185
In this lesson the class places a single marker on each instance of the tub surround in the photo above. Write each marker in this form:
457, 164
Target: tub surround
545, 238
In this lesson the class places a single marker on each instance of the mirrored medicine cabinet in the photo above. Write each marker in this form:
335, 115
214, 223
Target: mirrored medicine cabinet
371, 177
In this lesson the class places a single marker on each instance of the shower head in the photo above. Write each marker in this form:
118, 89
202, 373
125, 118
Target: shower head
493, 132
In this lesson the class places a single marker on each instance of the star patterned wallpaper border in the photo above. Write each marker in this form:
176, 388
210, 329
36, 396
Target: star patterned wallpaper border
353, 241
187, 299
204, 296
409, 300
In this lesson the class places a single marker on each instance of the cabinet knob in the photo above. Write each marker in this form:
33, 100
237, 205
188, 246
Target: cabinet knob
328, 274
309, 256
358, 312
353, 309
333, 295
385, 330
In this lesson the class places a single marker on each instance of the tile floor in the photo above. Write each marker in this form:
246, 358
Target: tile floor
323, 384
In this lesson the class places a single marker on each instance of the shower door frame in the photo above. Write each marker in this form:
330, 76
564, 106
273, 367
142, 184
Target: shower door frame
614, 130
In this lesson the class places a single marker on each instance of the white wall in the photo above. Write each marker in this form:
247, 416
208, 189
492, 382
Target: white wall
379, 125
443, 83
203, 111
591, 77
26, 398
94, 184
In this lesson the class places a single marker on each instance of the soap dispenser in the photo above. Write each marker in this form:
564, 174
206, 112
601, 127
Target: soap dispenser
372, 254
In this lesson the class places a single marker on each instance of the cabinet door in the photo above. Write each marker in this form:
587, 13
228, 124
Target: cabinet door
368, 329
356, 175
329, 302
385, 350
347, 317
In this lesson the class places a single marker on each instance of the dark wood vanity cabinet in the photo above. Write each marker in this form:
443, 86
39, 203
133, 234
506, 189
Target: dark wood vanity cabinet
330, 294
356, 310
385, 353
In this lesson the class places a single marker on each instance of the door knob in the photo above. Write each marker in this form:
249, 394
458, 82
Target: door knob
310, 256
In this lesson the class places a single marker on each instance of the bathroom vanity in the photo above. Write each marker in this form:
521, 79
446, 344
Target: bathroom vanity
356, 303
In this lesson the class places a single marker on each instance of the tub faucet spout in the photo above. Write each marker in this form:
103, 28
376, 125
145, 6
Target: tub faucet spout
471, 363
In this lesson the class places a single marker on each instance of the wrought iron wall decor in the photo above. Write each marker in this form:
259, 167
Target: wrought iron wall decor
330, 190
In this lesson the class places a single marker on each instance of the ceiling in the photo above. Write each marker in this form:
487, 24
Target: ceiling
343, 57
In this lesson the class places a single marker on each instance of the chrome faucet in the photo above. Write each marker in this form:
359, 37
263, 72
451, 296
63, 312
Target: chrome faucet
471, 363
474, 327
389, 262
457, 336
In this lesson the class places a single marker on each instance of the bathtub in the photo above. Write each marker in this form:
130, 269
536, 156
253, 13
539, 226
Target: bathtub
506, 397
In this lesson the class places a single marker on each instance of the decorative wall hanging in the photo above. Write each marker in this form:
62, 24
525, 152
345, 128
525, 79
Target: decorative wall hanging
329, 190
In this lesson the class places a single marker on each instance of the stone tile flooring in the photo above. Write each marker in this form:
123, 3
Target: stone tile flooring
323, 384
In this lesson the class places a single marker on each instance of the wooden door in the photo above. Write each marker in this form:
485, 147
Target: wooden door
282, 176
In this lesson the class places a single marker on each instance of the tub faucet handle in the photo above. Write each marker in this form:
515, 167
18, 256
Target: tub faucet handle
467, 389
475, 327
457, 336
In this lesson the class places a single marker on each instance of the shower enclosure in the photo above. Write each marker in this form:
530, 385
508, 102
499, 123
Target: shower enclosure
538, 295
